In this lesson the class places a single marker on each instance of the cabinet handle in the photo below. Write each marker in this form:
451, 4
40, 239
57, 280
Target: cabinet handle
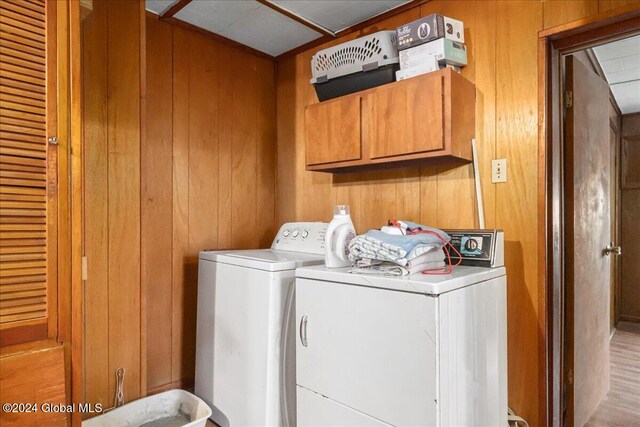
303, 330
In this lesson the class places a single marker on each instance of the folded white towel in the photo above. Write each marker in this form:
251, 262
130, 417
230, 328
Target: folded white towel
436, 254
391, 269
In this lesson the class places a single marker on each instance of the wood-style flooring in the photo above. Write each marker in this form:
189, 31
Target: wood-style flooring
621, 406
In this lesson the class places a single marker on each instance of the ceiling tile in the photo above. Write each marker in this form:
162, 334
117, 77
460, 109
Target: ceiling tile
612, 65
250, 23
159, 6
627, 96
618, 49
336, 15
631, 62
623, 76
620, 61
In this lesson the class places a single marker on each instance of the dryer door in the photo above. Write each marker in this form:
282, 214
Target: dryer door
371, 349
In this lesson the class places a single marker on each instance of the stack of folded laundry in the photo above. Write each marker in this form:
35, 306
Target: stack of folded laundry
398, 250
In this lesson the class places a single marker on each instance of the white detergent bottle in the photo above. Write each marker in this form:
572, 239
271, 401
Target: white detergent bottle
336, 241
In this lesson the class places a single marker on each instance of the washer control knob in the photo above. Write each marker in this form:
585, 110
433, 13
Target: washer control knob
285, 233
295, 233
305, 234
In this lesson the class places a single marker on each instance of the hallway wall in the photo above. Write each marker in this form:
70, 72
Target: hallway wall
630, 227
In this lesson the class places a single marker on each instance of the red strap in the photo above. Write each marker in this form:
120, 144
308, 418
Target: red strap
446, 246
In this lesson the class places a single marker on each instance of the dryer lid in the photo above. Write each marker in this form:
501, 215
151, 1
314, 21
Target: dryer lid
462, 276
265, 259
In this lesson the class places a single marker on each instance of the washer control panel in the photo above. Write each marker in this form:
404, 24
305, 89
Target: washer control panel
305, 237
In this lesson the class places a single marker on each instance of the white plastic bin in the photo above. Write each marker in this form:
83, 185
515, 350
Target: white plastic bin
171, 408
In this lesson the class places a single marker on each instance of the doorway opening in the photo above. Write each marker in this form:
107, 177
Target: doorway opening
601, 92
592, 174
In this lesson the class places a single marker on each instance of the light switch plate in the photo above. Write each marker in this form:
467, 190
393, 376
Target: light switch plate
499, 170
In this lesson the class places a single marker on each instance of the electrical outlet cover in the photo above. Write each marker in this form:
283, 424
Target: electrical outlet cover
499, 170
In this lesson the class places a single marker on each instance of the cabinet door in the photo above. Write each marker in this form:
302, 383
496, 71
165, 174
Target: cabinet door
29, 172
373, 350
406, 118
332, 131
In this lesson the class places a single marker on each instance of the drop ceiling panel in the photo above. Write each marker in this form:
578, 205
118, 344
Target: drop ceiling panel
250, 23
620, 61
335, 15
159, 6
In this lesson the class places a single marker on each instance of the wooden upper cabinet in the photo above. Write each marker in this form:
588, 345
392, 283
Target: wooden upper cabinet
332, 130
430, 117
407, 118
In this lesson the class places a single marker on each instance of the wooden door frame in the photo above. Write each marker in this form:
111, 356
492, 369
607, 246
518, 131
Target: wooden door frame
552, 44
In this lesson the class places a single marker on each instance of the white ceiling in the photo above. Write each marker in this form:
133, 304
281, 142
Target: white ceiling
159, 6
258, 26
338, 15
249, 23
620, 61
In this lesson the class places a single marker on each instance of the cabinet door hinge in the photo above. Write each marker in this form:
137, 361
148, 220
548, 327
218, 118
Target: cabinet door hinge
84, 268
568, 99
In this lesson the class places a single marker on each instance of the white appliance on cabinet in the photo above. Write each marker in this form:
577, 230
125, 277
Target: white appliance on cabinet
245, 338
420, 350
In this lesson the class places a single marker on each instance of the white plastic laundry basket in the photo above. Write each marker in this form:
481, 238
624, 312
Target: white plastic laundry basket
171, 406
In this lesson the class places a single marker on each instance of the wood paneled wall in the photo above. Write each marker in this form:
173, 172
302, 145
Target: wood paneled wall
502, 43
180, 157
112, 91
208, 178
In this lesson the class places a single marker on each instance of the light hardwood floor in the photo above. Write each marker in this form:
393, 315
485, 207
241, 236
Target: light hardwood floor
621, 406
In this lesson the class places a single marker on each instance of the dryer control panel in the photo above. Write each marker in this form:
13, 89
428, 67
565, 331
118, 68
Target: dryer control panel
481, 248
307, 237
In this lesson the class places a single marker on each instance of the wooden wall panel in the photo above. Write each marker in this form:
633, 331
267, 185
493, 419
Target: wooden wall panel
604, 5
123, 127
486, 69
226, 93
44, 384
180, 192
266, 153
111, 128
516, 201
157, 204
560, 12
243, 153
202, 213
219, 192
96, 339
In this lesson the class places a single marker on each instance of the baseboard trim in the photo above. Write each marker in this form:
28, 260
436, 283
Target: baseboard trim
183, 384
625, 318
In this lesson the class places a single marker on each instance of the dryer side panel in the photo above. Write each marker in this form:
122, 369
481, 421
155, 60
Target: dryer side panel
472, 355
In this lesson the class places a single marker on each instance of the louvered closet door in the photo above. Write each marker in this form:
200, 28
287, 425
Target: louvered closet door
27, 171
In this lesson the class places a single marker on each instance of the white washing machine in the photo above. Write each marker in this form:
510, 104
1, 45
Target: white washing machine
245, 339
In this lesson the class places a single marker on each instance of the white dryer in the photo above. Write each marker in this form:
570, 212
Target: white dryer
245, 338
401, 351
